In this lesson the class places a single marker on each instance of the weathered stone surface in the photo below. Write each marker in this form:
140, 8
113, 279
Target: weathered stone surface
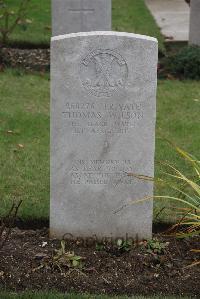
103, 113
70, 16
194, 36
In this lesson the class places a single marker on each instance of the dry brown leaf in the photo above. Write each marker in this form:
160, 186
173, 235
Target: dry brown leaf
20, 145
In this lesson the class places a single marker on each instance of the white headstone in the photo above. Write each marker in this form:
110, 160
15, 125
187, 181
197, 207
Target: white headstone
103, 113
69, 16
194, 36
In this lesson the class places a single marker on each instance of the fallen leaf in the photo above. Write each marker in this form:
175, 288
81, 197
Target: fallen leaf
20, 145
40, 256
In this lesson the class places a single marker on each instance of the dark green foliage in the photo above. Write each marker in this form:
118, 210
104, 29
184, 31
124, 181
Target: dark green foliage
186, 63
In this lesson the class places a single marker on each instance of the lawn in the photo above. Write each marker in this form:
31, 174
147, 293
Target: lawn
178, 110
59, 296
128, 15
24, 139
24, 135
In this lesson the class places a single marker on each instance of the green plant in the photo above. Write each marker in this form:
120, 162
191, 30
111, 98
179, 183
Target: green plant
154, 246
100, 246
185, 190
10, 19
124, 245
188, 193
67, 258
119, 245
186, 63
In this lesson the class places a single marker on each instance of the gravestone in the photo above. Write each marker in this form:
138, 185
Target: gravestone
194, 35
103, 112
80, 16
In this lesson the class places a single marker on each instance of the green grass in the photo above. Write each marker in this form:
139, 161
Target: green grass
128, 15
39, 31
24, 102
70, 296
178, 110
25, 171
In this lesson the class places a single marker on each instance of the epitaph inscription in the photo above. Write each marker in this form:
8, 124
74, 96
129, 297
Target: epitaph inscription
101, 172
103, 72
103, 108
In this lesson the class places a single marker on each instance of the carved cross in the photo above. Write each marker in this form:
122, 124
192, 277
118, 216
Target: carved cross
82, 11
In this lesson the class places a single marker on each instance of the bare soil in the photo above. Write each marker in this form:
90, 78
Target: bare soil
27, 59
27, 263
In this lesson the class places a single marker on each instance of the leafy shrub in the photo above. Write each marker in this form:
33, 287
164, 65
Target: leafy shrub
186, 63
10, 19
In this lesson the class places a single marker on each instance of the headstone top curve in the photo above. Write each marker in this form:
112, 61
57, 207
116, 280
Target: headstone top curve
104, 33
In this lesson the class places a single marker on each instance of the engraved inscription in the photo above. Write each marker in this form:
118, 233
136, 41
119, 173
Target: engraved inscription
103, 117
101, 172
103, 72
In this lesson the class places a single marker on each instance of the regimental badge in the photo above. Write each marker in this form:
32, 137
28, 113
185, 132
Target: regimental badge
103, 72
